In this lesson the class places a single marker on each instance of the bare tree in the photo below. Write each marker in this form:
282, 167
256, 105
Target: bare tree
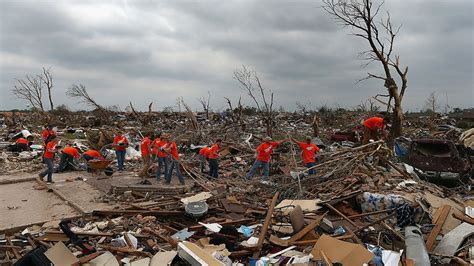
80, 92
237, 114
250, 82
47, 79
179, 101
362, 17
205, 103
31, 89
431, 103
143, 119
192, 118
368, 105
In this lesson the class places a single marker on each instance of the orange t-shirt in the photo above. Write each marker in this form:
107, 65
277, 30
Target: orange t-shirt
71, 151
22, 141
94, 153
162, 144
174, 151
120, 140
308, 152
145, 146
374, 123
204, 151
265, 150
50, 150
154, 146
212, 153
46, 134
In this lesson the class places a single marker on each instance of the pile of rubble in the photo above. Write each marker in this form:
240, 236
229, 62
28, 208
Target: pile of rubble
365, 204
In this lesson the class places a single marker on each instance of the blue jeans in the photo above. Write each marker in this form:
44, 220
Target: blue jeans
214, 168
120, 159
49, 171
259, 164
311, 171
162, 161
174, 164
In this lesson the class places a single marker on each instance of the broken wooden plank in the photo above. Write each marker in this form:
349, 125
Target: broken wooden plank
439, 224
306, 229
330, 207
266, 223
15, 251
463, 217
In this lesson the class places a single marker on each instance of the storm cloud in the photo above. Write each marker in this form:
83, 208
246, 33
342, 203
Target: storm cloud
143, 51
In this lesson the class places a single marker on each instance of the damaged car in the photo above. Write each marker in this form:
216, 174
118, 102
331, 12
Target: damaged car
440, 161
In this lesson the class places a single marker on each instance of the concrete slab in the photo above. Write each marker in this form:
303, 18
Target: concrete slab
21, 204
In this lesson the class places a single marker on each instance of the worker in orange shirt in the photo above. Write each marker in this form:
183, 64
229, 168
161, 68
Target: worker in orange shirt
373, 126
120, 145
92, 155
161, 147
48, 157
203, 158
213, 155
68, 154
154, 146
21, 144
172, 150
308, 153
264, 152
145, 147
48, 133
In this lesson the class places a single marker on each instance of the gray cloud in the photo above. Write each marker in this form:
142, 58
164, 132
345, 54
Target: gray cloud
144, 51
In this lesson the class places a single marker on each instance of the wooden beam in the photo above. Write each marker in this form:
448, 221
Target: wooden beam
330, 207
268, 218
306, 229
439, 224
463, 218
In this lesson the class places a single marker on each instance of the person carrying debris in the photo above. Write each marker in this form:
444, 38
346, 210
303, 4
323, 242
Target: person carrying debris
173, 151
92, 155
47, 134
120, 145
145, 150
68, 154
264, 152
308, 152
161, 146
213, 159
203, 158
373, 126
48, 157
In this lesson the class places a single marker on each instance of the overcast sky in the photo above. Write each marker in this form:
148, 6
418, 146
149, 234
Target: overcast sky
143, 51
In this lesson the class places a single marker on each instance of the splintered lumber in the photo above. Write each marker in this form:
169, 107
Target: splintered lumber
375, 222
306, 229
330, 207
438, 225
15, 251
463, 218
268, 218
235, 222
126, 250
157, 189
